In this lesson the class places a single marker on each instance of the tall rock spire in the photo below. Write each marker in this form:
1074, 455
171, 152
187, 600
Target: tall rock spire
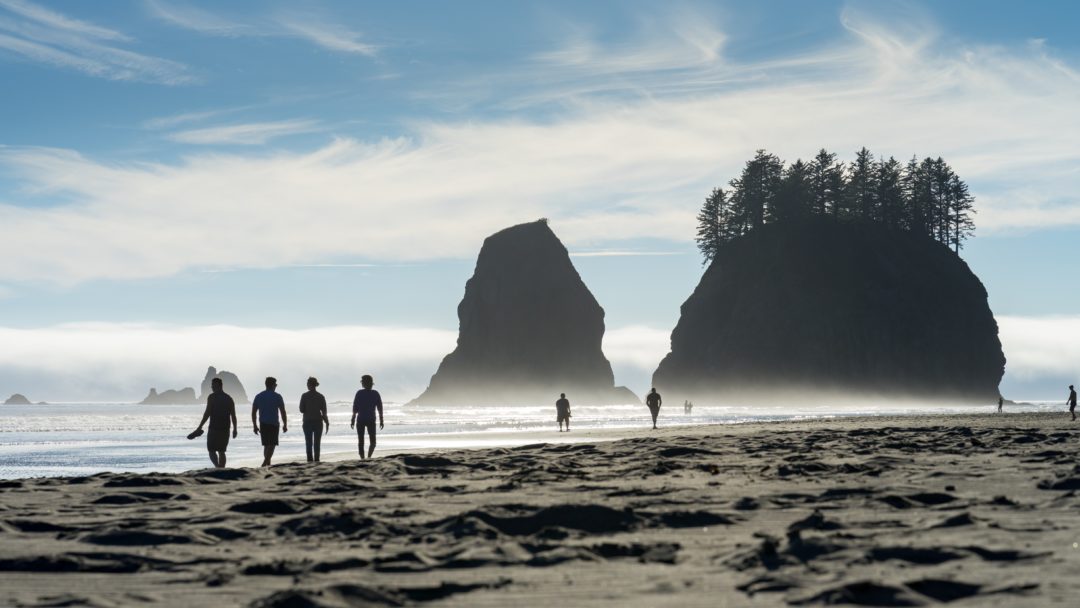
529, 329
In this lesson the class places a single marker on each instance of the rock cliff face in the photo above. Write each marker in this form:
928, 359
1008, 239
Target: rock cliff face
529, 329
17, 399
184, 396
229, 383
818, 307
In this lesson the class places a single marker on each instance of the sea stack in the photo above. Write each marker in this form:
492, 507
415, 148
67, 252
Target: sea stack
184, 396
529, 330
817, 308
229, 383
17, 399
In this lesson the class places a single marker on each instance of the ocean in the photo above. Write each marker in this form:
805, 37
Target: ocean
84, 438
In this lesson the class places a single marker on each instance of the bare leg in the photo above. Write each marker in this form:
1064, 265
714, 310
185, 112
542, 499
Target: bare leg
221, 460
371, 435
214, 458
268, 453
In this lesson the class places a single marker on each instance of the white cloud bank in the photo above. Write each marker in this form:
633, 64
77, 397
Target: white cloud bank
95, 361
116, 361
107, 361
636, 146
1041, 346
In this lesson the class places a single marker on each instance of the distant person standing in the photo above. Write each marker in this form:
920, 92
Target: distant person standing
1072, 401
313, 407
220, 410
264, 411
1001, 403
562, 412
365, 404
654, 402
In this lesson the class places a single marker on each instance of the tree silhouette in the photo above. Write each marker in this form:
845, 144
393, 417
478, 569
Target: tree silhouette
794, 193
826, 184
862, 186
925, 197
754, 191
713, 224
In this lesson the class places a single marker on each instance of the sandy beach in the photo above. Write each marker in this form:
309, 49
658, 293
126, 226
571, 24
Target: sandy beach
971, 510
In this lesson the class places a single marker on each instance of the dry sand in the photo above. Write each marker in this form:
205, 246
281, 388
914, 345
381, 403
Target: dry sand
971, 510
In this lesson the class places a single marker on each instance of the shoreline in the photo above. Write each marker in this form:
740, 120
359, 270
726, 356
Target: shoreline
485, 440
975, 508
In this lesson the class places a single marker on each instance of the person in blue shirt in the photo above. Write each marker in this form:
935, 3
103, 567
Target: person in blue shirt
365, 404
264, 411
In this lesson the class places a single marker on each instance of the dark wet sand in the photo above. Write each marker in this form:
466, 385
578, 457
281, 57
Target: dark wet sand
976, 510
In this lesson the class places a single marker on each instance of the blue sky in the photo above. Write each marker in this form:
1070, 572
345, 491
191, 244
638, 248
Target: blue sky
168, 167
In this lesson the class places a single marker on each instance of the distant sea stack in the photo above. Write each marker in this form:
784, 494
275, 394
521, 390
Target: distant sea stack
17, 399
816, 307
184, 396
529, 330
229, 382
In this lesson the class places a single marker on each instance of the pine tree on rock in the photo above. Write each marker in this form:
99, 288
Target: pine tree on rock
862, 187
826, 184
712, 224
793, 197
925, 197
754, 191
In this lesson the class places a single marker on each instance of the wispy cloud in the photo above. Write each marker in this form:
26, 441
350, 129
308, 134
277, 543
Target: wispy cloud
609, 166
322, 32
167, 122
45, 36
199, 20
328, 35
58, 21
614, 253
314, 266
248, 134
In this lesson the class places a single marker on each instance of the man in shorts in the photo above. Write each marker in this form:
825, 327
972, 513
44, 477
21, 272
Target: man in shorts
654, 401
1072, 401
220, 410
562, 411
265, 409
365, 404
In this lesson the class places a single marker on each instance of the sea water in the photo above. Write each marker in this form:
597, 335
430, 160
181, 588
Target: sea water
86, 438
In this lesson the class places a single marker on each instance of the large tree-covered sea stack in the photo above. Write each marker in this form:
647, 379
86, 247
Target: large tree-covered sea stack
821, 307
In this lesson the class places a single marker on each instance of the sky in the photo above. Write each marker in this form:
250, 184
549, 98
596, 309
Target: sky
290, 190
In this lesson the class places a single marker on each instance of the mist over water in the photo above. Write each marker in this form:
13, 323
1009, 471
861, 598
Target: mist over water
86, 438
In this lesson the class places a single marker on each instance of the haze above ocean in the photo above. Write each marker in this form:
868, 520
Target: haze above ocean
85, 438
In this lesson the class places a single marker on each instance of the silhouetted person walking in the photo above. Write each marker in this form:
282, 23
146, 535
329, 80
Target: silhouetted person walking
365, 404
220, 410
654, 401
264, 411
1072, 401
313, 407
562, 411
